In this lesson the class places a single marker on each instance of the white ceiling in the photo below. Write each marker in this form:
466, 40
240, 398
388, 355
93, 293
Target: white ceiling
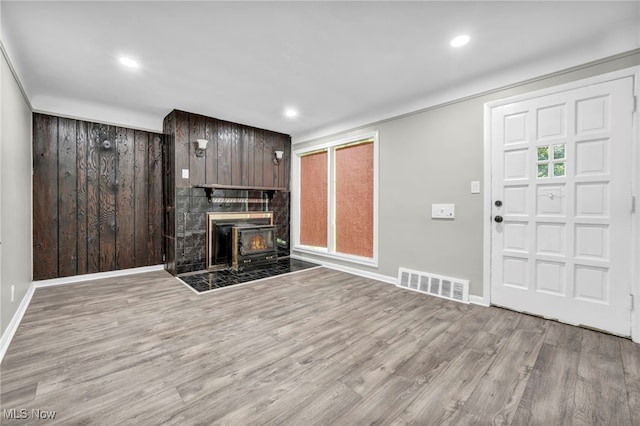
342, 64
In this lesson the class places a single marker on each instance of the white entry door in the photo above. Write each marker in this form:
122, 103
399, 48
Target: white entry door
561, 192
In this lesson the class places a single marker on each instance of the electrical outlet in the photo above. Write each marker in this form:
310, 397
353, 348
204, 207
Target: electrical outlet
185, 173
13, 292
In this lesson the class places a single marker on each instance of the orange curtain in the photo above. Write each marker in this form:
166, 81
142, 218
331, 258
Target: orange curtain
313, 199
354, 199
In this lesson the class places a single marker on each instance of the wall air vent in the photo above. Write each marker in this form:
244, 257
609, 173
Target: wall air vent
436, 285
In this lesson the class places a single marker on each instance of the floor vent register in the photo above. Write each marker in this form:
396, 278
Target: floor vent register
436, 285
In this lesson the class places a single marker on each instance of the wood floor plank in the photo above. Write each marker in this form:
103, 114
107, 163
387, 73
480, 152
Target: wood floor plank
598, 397
498, 393
548, 398
285, 379
564, 335
316, 347
384, 403
440, 398
369, 373
324, 407
630, 354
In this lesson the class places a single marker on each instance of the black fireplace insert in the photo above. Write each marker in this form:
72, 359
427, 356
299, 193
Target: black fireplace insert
221, 248
253, 245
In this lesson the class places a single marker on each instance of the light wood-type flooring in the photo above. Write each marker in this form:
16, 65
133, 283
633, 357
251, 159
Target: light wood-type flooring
316, 347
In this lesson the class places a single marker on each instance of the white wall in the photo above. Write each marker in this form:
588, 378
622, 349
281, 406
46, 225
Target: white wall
431, 157
15, 194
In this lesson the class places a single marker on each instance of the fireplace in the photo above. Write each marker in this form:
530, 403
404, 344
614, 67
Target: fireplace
240, 240
253, 245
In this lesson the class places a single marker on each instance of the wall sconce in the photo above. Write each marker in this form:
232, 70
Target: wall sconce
277, 156
202, 145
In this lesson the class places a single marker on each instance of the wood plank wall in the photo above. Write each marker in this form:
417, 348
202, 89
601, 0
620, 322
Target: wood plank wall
97, 206
236, 154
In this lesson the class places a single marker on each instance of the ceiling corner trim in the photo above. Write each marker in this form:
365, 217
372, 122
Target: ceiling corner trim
15, 75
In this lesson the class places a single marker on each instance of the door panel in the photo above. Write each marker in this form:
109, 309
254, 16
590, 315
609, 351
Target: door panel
561, 165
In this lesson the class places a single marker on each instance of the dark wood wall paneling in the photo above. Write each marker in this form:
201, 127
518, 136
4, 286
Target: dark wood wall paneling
45, 178
97, 197
236, 154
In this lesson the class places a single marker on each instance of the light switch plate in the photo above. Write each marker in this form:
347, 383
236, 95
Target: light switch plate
443, 211
475, 186
185, 173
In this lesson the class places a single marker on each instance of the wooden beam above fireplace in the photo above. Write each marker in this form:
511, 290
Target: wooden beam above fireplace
209, 188
215, 186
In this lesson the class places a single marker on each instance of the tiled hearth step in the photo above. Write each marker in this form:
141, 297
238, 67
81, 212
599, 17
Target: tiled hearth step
213, 280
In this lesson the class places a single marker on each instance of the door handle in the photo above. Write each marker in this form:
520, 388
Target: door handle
498, 219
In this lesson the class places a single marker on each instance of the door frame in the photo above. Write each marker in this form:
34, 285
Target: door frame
633, 72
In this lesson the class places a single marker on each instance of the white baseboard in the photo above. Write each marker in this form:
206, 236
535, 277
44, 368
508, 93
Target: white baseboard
97, 276
478, 300
11, 329
354, 271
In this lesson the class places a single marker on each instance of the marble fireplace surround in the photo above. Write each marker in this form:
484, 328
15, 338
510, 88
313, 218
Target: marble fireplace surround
191, 224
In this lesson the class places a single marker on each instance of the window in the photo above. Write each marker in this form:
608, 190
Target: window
551, 161
313, 199
334, 202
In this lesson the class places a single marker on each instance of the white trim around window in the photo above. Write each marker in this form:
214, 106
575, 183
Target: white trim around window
329, 252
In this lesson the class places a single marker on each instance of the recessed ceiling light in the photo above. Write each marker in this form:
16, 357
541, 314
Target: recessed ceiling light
461, 40
128, 62
290, 113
